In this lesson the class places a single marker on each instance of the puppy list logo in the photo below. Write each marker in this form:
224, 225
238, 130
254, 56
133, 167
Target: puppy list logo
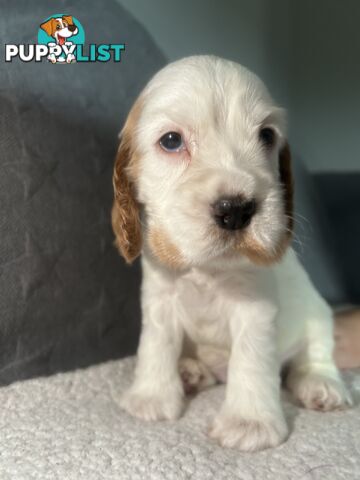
61, 39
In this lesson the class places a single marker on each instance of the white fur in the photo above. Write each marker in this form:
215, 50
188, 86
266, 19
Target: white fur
226, 309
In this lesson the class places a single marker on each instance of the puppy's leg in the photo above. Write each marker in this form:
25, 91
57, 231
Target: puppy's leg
157, 393
251, 417
215, 359
313, 376
195, 375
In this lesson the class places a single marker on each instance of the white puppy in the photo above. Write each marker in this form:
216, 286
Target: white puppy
203, 190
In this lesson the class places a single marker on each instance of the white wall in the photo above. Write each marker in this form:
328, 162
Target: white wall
236, 29
308, 53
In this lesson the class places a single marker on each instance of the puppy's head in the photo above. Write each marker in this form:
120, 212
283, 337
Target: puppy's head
60, 28
204, 153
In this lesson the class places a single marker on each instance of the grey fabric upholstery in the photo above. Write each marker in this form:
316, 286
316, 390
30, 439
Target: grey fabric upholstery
313, 239
341, 195
66, 298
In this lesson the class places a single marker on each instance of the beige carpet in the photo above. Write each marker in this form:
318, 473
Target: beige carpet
69, 427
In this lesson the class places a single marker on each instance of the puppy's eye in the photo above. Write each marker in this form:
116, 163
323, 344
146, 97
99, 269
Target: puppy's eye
267, 136
57, 27
171, 142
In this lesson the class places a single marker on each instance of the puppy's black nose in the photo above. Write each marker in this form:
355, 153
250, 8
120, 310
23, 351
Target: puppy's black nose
233, 213
72, 28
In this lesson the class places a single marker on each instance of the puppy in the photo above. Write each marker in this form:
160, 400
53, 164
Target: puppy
61, 29
203, 189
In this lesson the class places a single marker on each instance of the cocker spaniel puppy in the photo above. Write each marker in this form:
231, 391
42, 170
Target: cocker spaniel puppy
203, 190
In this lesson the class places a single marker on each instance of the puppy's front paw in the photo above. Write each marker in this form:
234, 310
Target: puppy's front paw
164, 405
319, 392
248, 435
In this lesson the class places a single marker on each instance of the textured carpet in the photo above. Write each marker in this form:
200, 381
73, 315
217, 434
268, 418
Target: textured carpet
69, 427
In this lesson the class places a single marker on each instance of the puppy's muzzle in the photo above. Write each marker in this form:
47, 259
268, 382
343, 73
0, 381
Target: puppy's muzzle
233, 213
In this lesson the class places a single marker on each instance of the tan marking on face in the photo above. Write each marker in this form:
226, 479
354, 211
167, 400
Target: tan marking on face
247, 245
255, 252
164, 249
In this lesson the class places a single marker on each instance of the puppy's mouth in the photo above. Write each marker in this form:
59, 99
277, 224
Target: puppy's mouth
232, 217
229, 241
61, 40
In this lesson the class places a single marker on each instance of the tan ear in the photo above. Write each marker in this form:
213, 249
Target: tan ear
49, 26
68, 19
125, 214
287, 181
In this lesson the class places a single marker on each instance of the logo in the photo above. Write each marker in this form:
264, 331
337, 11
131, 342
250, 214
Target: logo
61, 40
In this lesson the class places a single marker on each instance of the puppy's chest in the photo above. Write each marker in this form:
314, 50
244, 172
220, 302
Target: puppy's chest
206, 309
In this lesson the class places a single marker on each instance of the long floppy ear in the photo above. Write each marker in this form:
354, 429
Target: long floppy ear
49, 26
287, 181
68, 19
125, 215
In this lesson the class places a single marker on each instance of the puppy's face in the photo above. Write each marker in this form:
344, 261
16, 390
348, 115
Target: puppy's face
204, 152
60, 28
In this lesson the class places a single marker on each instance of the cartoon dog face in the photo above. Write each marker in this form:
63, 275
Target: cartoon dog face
60, 28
